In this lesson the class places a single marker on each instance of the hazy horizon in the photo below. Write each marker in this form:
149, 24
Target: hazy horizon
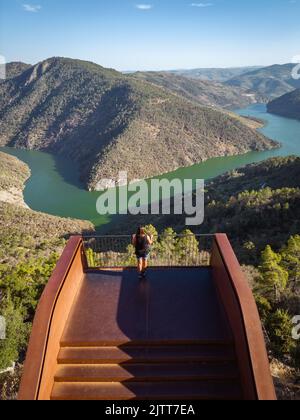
157, 70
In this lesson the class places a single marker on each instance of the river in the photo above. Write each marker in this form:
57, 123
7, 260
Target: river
54, 185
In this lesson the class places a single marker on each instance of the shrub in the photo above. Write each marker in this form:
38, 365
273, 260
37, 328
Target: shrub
280, 326
274, 278
17, 333
264, 307
25, 283
90, 256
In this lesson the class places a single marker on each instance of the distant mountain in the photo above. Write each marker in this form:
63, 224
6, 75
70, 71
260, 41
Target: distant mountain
201, 92
214, 74
267, 83
109, 122
14, 69
287, 105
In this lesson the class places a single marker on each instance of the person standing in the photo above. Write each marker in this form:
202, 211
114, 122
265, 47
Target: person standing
142, 243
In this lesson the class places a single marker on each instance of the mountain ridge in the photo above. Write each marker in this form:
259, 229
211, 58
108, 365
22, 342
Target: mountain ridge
15, 68
267, 83
109, 122
214, 73
287, 105
205, 93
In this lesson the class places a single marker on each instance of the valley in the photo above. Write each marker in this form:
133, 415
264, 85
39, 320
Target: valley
149, 201
267, 83
53, 152
107, 122
54, 186
202, 92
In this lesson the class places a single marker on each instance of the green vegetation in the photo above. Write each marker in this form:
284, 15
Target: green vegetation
17, 333
267, 83
102, 119
274, 278
255, 206
168, 249
259, 208
214, 74
30, 243
275, 281
14, 69
22, 280
13, 172
199, 91
253, 219
277, 294
287, 105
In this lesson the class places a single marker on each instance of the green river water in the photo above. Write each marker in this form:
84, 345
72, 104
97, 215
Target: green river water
54, 185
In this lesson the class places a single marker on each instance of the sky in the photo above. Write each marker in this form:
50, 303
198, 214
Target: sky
152, 35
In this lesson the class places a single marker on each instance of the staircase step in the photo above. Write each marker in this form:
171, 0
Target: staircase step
145, 343
159, 354
145, 372
147, 391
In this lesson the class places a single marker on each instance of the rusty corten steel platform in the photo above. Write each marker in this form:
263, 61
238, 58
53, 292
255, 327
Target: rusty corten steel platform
114, 308
163, 337
184, 333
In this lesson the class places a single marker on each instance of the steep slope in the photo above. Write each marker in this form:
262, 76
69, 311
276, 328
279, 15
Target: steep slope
215, 74
13, 174
287, 105
255, 205
110, 122
14, 69
201, 92
267, 83
24, 230
30, 243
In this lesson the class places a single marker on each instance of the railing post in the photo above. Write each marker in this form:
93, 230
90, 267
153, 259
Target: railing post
110, 251
84, 257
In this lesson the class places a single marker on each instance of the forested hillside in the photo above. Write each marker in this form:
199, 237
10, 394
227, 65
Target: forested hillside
199, 91
15, 69
30, 244
215, 74
104, 120
256, 206
287, 105
267, 83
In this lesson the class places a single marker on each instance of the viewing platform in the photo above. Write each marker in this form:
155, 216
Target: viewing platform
190, 331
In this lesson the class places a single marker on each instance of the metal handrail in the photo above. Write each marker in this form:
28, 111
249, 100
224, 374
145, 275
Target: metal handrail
178, 235
168, 250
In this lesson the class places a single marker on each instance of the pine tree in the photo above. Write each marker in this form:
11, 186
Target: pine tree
187, 248
151, 231
274, 278
291, 261
17, 333
168, 242
130, 257
280, 327
155, 248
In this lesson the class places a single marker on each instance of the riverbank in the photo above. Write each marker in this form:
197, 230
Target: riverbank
54, 185
13, 176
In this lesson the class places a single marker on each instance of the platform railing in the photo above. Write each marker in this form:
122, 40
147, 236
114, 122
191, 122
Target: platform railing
168, 250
